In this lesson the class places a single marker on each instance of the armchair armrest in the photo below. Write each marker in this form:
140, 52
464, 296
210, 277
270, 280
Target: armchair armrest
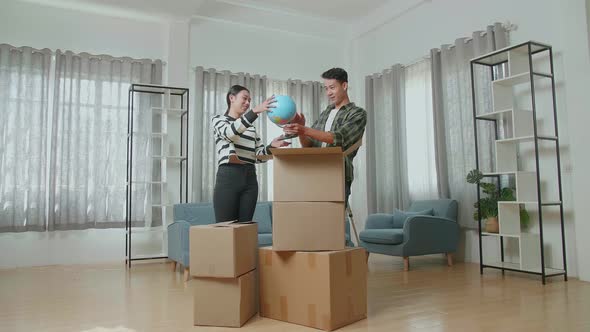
425, 235
178, 241
379, 221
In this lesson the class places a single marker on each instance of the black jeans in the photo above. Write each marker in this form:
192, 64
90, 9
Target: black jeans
235, 193
347, 185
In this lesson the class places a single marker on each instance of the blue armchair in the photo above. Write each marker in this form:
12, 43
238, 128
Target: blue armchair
187, 215
428, 227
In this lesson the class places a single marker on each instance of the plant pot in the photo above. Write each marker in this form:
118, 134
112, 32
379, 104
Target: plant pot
492, 225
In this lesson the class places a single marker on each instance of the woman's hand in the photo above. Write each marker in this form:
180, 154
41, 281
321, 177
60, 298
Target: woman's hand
265, 106
278, 143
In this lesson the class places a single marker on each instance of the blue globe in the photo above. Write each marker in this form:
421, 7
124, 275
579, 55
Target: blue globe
284, 110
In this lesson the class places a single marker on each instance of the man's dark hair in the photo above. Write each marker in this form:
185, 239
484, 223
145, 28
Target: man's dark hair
338, 74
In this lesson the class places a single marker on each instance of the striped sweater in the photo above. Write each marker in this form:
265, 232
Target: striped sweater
238, 137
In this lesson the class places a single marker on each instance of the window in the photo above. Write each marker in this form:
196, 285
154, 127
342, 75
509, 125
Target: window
421, 163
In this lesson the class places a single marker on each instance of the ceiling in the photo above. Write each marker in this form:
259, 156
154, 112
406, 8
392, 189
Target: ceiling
344, 10
313, 18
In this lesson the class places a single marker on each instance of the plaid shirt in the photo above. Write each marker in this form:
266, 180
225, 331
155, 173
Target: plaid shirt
348, 127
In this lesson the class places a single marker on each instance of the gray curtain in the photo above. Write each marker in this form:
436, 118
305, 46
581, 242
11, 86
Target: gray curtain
453, 115
387, 183
24, 123
211, 87
89, 137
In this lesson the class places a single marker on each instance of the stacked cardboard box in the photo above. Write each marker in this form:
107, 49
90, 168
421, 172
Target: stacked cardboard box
308, 207
223, 258
308, 277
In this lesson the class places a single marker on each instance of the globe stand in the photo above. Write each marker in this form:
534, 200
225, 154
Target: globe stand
282, 138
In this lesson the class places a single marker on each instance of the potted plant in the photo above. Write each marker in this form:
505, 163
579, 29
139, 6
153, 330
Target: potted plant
488, 206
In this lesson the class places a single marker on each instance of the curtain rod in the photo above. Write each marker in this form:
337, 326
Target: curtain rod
97, 57
194, 69
507, 26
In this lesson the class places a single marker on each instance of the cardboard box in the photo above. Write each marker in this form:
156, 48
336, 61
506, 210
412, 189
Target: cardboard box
308, 226
308, 175
227, 302
324, 290
223, 250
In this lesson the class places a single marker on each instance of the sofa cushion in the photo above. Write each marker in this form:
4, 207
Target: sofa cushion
382, 236
195, 213
400, 217
263, 216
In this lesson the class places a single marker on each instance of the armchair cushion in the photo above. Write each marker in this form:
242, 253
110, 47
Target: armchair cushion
263, 216
379, 221
400, 217
446, 208
264, 239
382, 236
195, 213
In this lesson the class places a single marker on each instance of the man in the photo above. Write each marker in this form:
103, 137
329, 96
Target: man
341, 124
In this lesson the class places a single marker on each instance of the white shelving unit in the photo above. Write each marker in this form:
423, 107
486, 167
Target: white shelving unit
167, 151
517, 62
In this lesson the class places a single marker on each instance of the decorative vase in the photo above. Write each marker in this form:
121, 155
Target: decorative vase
492, 225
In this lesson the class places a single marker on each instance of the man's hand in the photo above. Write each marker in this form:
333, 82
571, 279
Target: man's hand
295, 129
299, 118
277, 143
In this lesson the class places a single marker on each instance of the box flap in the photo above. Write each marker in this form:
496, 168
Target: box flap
353, 147
277, 152
233, 223
311, 151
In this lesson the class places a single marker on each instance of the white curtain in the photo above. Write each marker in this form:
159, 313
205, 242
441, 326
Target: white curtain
387, 171
211, 87
421, 162
24, 122
453, 115
88, 150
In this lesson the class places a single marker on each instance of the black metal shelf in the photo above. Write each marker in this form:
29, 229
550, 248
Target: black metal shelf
182, 96
501, 57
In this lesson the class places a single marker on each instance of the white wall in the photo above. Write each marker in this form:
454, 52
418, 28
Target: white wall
561, 24
276, 54
25, 24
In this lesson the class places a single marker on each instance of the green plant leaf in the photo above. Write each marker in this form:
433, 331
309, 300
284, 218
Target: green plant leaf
488, 188
507, 194
474, 176
525, 218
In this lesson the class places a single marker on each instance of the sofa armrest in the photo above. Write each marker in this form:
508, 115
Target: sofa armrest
178, 241
429, 235
379, 221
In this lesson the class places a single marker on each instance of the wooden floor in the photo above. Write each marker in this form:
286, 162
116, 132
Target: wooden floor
430, 297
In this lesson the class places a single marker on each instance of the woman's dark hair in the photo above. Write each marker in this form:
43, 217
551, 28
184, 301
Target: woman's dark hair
233, 91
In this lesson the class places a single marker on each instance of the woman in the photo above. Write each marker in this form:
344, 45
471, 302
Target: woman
238, 149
